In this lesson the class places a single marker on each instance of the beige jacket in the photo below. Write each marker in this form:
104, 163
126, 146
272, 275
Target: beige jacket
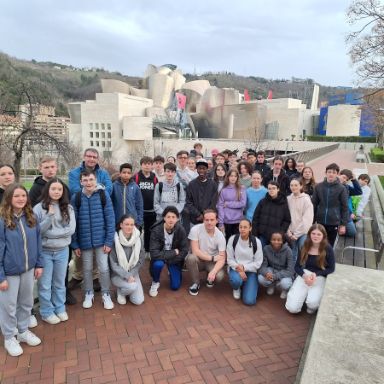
301, 210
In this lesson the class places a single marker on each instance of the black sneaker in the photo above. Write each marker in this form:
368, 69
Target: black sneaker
210, 284
194, 289
70, 299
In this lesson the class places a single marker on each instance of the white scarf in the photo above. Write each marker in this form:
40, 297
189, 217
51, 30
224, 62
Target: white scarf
135, 242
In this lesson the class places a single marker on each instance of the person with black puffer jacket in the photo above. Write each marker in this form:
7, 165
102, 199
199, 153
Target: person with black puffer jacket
271, 214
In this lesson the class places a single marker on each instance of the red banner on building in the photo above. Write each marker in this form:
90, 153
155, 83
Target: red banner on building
181, 100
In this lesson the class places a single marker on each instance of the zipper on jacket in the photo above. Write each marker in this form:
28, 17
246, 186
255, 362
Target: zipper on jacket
326, 208
124, 197
90, 222
24, 243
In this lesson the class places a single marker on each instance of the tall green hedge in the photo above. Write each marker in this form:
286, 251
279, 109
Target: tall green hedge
348, 139
377, 154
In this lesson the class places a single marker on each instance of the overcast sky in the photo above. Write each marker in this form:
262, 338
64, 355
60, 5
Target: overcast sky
267, 38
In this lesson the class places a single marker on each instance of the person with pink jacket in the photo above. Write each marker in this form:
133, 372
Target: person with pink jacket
301, 210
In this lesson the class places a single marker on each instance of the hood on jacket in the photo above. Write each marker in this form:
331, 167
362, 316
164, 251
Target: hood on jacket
39, 180
98, 187
280, 199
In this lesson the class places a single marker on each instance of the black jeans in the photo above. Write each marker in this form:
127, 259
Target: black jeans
231, 229
149, 220
331, 233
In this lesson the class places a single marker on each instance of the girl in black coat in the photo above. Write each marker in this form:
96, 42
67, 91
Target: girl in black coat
271, 214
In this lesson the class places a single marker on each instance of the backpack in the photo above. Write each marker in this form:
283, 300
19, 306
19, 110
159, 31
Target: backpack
252, 242
102, 198
177, 187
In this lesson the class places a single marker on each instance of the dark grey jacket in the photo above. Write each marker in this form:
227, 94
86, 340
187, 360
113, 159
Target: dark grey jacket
281, 262
330, 203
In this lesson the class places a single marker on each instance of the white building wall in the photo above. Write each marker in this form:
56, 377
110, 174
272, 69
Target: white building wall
343, 120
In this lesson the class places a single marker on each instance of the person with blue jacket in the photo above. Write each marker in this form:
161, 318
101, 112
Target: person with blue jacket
95, 232
126, 196
90, 163
20, 264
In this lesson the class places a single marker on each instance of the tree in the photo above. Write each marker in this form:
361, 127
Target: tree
19, 135
367, 42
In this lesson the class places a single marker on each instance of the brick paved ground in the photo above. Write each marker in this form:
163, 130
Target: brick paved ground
174, 338
345, 159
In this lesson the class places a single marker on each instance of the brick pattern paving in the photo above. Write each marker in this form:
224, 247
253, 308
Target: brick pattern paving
174, 338
345, 159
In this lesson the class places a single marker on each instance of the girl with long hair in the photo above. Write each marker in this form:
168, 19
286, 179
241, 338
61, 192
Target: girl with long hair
309, 182
57, 222
21, 263
245, 171
244, 257
315, 263
231, 204
255, 193
7, 177
219, 173
290, 168
301, 210
126, 259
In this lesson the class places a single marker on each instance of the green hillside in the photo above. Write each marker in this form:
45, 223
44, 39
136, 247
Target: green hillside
56, 84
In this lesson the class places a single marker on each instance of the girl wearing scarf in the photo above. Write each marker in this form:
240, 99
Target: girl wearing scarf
126, 259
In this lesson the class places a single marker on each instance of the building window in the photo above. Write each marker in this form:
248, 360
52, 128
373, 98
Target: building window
90, 134
109, 144
97, 126
91, 143
103, 135
97, 135
103, 144
103, 126
109, 135
97, 144
90, 126
109, 127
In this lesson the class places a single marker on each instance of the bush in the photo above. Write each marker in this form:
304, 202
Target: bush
377, 154
346, 139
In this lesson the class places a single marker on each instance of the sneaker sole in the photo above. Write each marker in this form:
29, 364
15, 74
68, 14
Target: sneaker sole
153, 294
51, 322
14, 354
193, 293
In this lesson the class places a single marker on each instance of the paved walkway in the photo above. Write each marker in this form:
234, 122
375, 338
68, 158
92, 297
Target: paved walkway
174, 338
345, 159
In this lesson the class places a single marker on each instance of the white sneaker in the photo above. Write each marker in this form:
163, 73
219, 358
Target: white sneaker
52, 319
32, 321
311, 311
283, 294
88, 300
237, 294
28, 337
13, 347
154, 290
270, 290
107, 301
63, 316
121, 299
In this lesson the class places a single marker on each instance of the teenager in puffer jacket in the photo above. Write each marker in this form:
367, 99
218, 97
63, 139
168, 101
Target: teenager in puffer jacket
271, 214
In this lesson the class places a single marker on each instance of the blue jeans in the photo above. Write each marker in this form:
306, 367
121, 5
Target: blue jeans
103, 266
250, 286
175, 275
51, 285
296, 246
350, 229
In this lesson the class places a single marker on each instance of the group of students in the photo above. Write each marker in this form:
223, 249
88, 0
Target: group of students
256, 220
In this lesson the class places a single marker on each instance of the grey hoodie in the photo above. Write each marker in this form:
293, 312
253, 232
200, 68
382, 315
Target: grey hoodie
169, 196
55, 233
281, 262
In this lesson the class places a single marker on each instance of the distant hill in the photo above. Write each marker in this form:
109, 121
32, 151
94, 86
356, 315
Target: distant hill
60, 84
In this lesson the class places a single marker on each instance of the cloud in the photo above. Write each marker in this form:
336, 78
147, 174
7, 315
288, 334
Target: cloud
274, 39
